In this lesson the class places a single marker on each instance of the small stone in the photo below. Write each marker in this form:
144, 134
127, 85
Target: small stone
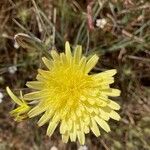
1, 95
54, 148
84, 147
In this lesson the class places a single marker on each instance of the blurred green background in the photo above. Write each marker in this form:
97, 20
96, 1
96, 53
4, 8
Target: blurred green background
121, 37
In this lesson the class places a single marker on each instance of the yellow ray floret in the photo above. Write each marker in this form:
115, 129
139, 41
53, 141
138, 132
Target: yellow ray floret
68, 95
20, 112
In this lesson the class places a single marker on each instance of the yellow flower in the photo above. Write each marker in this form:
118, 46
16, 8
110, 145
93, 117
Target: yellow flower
67, 94
20, 112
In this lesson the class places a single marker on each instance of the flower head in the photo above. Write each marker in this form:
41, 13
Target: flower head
20, 112
67, 94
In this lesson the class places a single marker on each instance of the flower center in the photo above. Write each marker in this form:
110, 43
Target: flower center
70, 84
